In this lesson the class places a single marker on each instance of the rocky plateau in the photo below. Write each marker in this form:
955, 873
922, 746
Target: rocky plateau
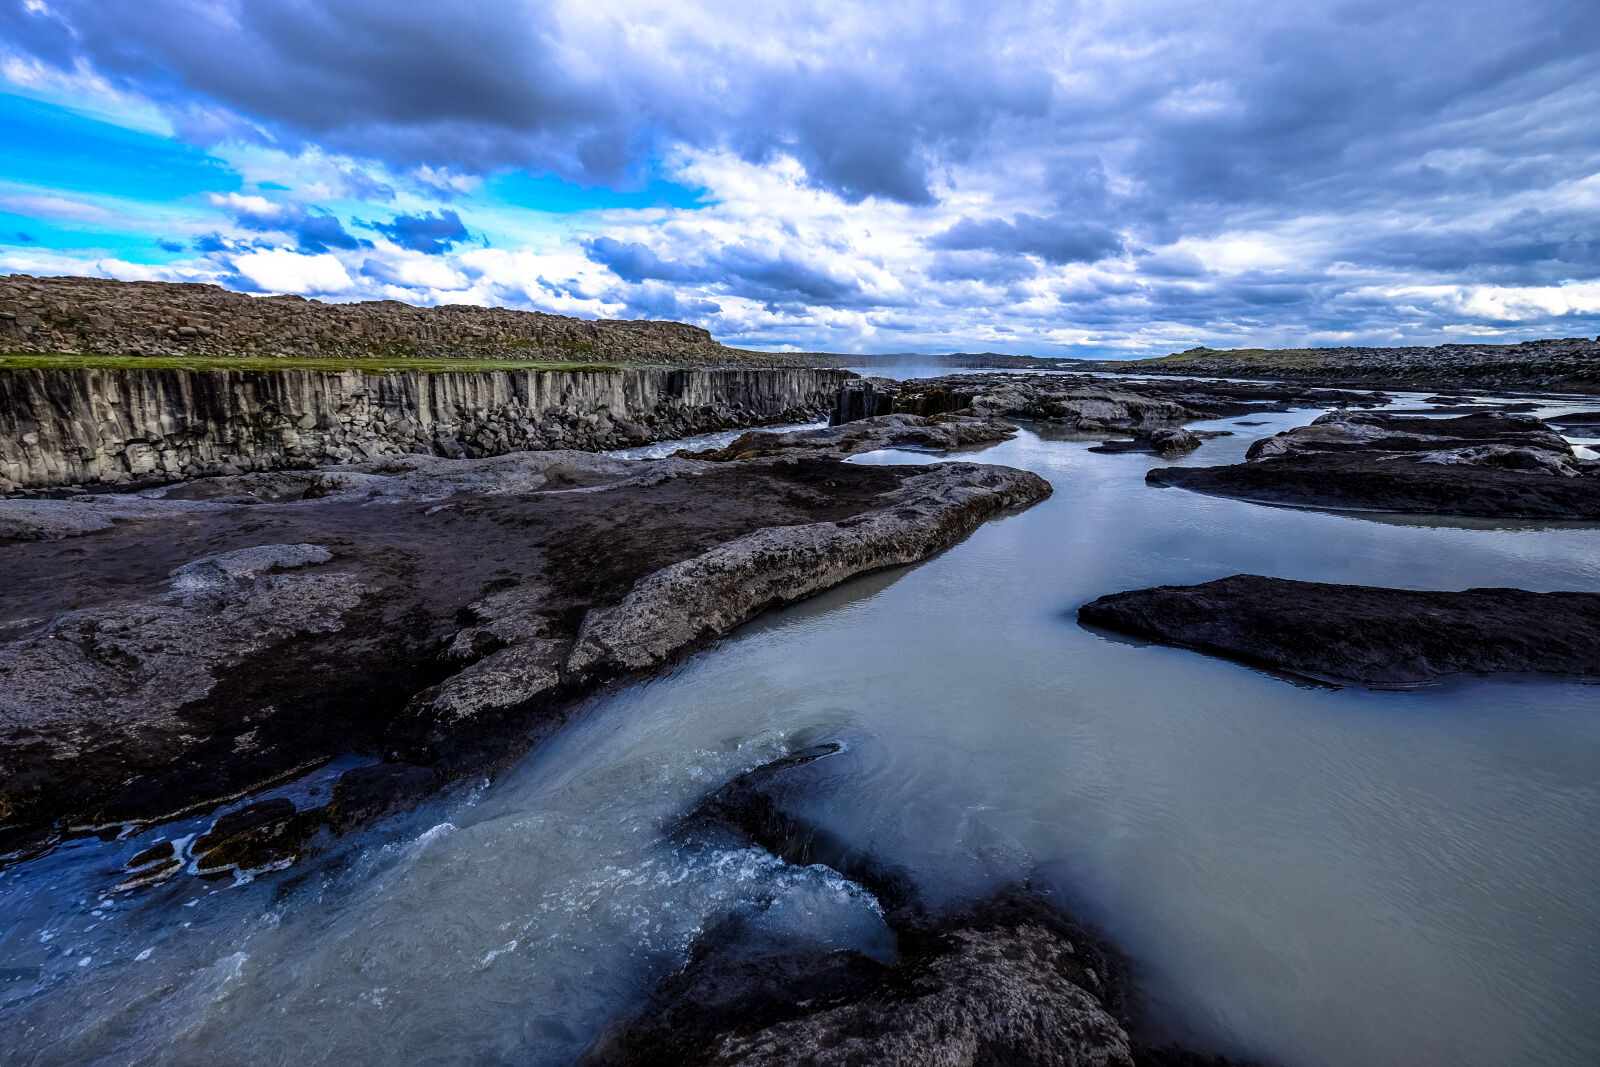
145, 320
1562, 364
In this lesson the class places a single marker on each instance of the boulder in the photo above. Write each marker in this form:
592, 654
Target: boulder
1173, 442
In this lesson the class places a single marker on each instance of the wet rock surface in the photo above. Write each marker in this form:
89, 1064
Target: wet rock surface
1490, 465
1362, 634
764, 807
939, 433
162, 650
1100, 401
1173, 442
1009, 979
1150, 411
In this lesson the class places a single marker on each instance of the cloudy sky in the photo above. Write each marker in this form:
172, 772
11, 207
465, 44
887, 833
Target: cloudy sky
1118, 177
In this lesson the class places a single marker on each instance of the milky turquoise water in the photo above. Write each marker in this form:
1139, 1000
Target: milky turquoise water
1311, 875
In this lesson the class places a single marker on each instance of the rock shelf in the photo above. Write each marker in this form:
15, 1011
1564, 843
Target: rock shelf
1362, 634
164, 649
1491, 465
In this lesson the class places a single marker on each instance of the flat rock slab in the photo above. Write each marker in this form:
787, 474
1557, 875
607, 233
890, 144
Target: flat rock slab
1364, 634
1486, 465
1084, 402
163, 650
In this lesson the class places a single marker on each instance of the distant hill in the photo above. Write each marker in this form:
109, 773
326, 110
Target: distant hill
1570, 364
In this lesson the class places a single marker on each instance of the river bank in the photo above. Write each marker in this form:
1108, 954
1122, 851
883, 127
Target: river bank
171, 649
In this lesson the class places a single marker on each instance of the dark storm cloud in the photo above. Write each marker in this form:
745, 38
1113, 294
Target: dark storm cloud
1432, 142
495, 83
661, 302
1174, 263
635, 263
980, 266
1531, 247
1052, 240
318, 233
314, 231
211, 242
427, 232
1280, 104
736, 269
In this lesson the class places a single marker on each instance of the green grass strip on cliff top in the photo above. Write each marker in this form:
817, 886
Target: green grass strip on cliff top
366, 365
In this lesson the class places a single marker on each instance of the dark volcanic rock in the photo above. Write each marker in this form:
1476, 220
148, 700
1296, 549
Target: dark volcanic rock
1583, 419
1008, 982
764, 806
1005, 980
866, 399
260, 836
1173, 442
937, 433
1170, 443
148, 425
1363, 634
1490, 465
161, 651
366, 794
1094, 403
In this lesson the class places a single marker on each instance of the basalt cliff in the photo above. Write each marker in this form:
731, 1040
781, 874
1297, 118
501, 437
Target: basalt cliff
119, 426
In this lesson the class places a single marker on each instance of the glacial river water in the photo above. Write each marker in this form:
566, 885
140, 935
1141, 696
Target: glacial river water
1315, 876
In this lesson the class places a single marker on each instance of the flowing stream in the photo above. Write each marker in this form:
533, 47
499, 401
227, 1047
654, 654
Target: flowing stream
1315, 876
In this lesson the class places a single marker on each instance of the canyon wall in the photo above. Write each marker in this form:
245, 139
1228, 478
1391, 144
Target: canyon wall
119, 426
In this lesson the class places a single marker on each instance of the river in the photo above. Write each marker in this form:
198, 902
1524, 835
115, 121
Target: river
1312, 875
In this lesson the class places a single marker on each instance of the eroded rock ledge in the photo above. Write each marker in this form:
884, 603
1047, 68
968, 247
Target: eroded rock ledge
939, 433
1010, 979
1491, 465
164, 649
1363, 634
1149, 411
